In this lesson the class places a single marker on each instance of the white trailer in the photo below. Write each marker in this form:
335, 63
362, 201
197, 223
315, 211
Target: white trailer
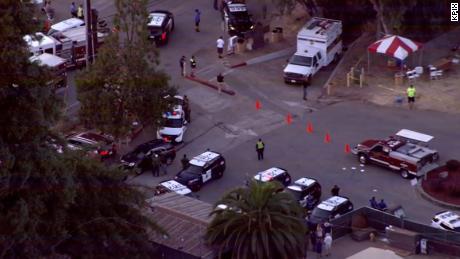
319, 42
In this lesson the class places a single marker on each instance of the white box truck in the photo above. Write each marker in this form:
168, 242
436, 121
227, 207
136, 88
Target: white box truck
319, 43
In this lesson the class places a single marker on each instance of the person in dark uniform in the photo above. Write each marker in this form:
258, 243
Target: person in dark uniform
155, 161
182, 63
187, 109
305, 85
335, 190
184, 162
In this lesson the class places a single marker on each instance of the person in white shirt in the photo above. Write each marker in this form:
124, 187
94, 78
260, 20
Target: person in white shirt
327, 244
220, 46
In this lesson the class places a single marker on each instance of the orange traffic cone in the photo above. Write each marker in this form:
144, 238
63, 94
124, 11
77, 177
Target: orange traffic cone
289, 119
347, 149
310, 128
258, 105
327, 138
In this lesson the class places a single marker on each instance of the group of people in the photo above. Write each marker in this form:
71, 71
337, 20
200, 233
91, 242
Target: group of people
155, 163
76, 12
378, 205
321, 238
183, 65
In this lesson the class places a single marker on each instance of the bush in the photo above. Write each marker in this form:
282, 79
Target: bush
436, 184
452, 165
453, 188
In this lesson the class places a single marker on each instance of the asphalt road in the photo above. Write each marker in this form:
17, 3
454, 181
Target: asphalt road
231, 124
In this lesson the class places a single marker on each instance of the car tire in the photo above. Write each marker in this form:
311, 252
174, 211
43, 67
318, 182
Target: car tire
197, 187
219, 174
362, 158
405, 174
169, 160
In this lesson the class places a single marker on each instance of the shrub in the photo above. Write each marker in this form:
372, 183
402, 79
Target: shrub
359, 221
436, 184
453, 188
452, 165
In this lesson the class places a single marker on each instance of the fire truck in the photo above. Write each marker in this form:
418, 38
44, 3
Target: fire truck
70, 45
406, 152
58, 68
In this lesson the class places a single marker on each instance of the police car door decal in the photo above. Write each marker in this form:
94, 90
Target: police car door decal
206, 176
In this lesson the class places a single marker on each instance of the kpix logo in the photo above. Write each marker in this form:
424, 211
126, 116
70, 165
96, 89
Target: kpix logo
454, 12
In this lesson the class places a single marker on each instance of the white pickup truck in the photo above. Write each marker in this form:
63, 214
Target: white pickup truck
319, 43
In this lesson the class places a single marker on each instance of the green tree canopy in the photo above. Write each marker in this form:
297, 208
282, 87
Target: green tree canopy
259, 222
123, 83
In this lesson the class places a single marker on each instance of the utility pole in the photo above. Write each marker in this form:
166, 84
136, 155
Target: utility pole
94, 21
88, 25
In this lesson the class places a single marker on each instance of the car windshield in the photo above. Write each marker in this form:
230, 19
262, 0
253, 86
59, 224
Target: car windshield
320, 213
301, 60
239, 17
173, 123
192, 170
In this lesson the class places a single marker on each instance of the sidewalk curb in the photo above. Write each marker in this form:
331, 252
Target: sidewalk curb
266, 57
435, 201
209, 84
239, 65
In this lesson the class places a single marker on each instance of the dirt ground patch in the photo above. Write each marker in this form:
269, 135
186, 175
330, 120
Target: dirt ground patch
439, 184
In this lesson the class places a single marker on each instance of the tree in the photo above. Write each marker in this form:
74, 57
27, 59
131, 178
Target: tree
123, 85
52, 203
259, 222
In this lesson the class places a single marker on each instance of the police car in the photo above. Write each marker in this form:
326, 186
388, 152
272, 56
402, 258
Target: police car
236, 18
274, 174
447, 220
173, 128
306, 190
331, 208
172, 186
202, 169
160, 25
175, 103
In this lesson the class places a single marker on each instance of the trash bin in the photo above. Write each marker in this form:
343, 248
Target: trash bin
240, 45
399, 79
277, 35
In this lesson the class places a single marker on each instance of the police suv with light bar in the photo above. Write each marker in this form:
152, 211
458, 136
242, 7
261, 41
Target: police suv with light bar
274, 174
160, 25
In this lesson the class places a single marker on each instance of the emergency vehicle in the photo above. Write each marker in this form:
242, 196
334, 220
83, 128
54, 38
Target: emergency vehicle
172, 186
175, 103
329, 209
173, 128
237, 20
274, 174
406, 153
57, 66
319, 43
447, 220
70, 45
160, 25
202, 169
305, 190
65, 25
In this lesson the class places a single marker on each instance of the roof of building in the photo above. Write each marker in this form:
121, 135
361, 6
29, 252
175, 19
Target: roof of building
204, 158
185, 220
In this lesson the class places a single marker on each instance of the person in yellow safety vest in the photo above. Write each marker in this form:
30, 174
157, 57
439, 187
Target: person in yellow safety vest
192, 66
411, 96
80, 14
260, 149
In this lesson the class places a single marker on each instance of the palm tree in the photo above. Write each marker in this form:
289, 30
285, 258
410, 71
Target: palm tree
258, 222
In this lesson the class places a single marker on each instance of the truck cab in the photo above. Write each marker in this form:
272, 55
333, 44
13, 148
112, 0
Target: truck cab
302, 65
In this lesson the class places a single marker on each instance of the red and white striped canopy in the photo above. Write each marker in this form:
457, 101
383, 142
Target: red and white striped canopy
395, 46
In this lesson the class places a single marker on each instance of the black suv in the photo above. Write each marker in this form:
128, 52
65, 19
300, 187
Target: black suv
274, 174
307, 191
329, 209
201, 169
236, 18
143, 152
160, 25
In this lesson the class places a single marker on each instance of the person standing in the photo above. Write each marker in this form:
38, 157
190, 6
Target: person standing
187, 110
184, 162
305, 84
411, 96
192, 66
197, 20
163, 165
260, 146
80, 13
335, 190
155, 166
382, 205
183, 64
220, 46
373, 203
327, 244
73, 10
220, 82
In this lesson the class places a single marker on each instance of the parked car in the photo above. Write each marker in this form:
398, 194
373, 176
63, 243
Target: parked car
172, 186
329, 209
274, 174
406, 153
160, 25
307, 191
203, 168
135, 158
446, 220
173, 128
236, 18
96, 145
